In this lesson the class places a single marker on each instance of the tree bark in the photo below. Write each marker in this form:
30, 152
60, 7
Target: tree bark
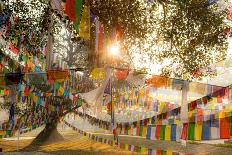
48, 135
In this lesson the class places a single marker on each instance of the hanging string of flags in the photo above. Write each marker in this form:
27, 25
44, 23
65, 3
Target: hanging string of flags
22, 64
44, 106
109, 141
199, 114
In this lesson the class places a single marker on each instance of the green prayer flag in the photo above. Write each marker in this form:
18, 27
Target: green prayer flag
19, 94
5, 70
56, 85
78, 8
30, 94
2, 92
79, 101
124, 146
8, 132
127, 130
191, 131
162, 132
163, 152
11, 64
139, 149
33, 126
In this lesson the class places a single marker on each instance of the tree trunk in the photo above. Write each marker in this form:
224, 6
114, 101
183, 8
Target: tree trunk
48, 135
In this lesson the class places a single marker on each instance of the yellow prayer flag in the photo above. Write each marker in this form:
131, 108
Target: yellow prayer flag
227, 113
126, 146
130, 131
53, 108
61, 91
143, 150
2, 132
144, 131
228, 107
198, 131
222, 114
167, 132
162, 107
35, 99
169, 152
214, 100
98, 74
177, 122
85, 23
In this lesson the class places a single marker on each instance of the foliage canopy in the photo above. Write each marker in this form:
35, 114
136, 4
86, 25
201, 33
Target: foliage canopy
185, 34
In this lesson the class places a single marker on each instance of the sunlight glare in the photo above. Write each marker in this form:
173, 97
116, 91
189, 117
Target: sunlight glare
115, 49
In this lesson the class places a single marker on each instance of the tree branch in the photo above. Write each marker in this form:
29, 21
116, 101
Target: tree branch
71, 110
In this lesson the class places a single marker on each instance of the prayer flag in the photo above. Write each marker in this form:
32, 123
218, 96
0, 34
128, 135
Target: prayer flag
100, 38
13, 49
107, 100
121, 74
85, 23
73, 10
210, 2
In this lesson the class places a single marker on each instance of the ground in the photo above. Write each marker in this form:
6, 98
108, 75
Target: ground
75, 144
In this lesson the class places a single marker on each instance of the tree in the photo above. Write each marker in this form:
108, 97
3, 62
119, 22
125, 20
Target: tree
185, 34
30, 27
194, 35
175, 32
73, 52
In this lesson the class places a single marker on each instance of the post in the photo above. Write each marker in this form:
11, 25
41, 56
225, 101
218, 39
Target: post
112, 102
49, 53
18, 140
84, 112
184, 107
184, 104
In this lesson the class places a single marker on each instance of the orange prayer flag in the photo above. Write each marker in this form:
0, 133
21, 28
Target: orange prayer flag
157, 81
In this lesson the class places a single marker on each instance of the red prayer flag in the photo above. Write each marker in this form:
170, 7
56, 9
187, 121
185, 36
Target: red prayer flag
108, 108
184, 133
100, 38
229, 15
204, 100
157, 132
225, 128
13, 49
70, 9
219, 99
119, 32
75, 98
26, 91
6, 92
226, 93
121, 74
